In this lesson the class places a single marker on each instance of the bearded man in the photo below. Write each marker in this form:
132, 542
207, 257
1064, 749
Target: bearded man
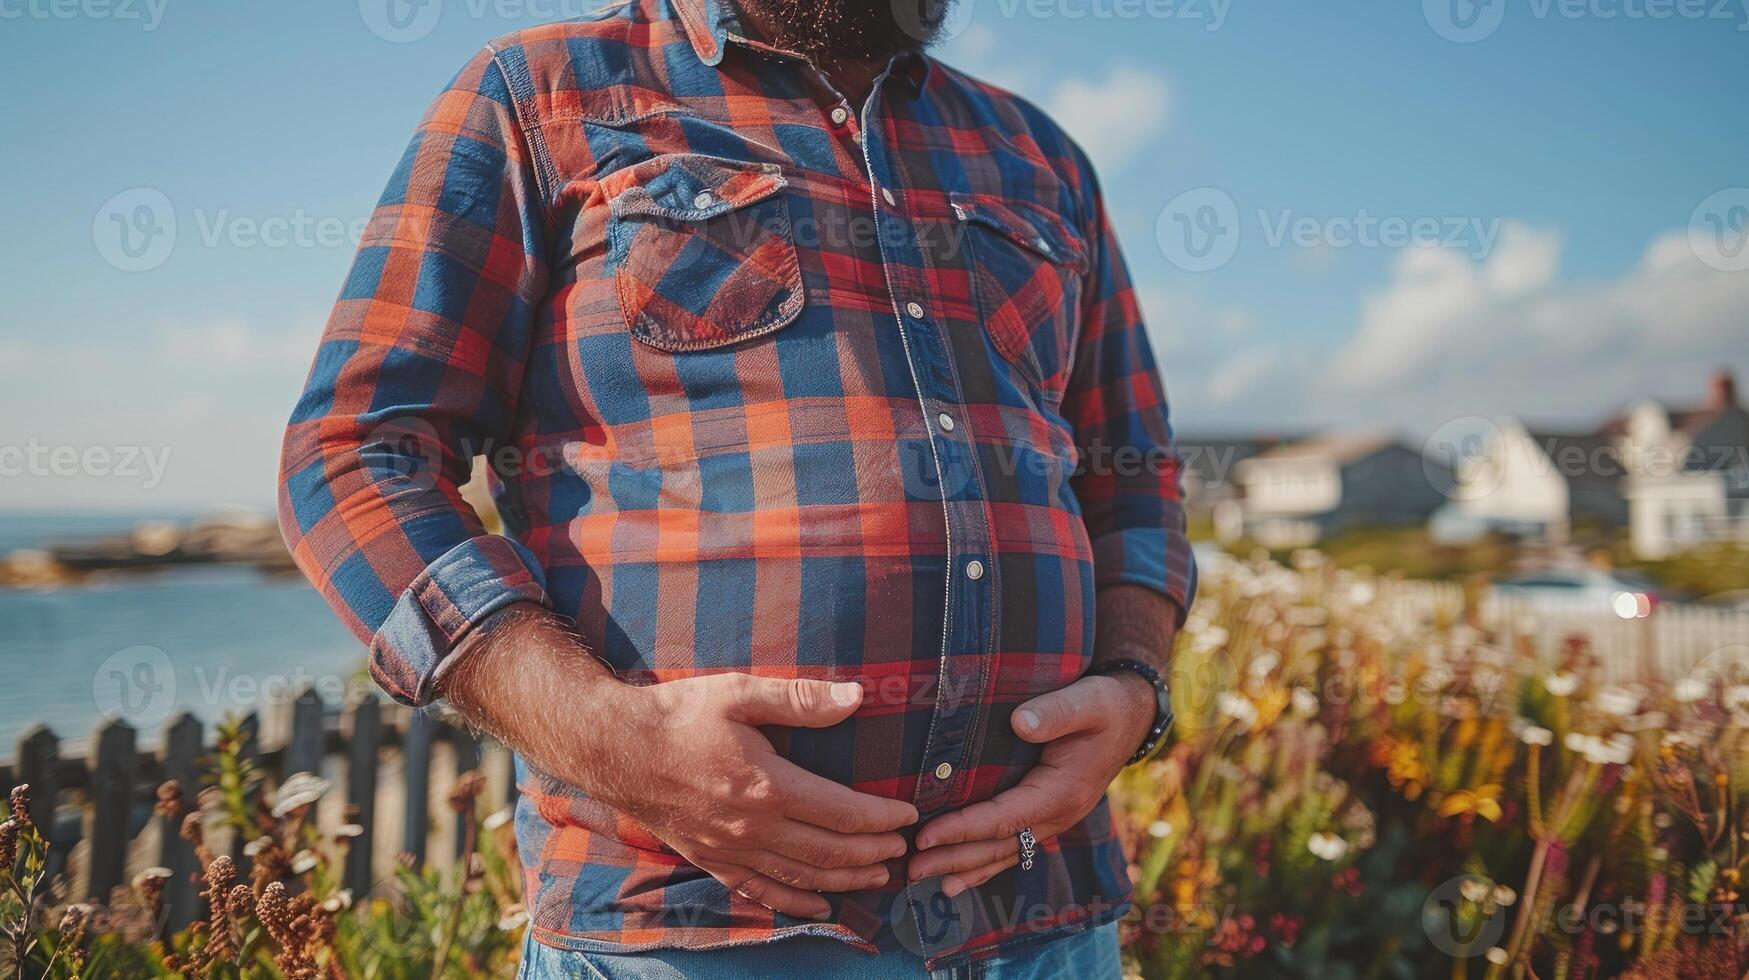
822, 422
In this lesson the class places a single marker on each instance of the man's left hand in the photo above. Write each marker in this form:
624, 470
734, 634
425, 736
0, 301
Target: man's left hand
1089, 730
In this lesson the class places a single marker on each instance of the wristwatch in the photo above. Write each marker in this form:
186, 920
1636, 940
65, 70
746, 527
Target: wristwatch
1162, 703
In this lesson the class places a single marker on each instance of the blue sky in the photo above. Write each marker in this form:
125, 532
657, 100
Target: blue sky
1568, 176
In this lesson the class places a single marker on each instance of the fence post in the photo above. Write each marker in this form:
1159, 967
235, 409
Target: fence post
303, 752
182, 748
361, 790
416, 760
39, 752
112, 795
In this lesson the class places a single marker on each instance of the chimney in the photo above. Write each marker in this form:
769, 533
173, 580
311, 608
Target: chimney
1724, 389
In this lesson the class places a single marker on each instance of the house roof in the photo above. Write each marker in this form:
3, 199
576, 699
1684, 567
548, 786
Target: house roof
1338, 448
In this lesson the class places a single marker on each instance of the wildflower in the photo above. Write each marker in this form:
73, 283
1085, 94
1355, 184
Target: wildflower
1535, 735
1237, 707
1305, 702
1327, 846
1159, 828
20, 800
1483, 801
1689, 690
304, 861
1498, 956
498, 818
346, 831
1474, 890
1504, 896
1561, 685
514, 918
1617, 701
340, 901
300, 790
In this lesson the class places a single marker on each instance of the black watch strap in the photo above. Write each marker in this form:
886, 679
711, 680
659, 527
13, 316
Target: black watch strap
1162, 703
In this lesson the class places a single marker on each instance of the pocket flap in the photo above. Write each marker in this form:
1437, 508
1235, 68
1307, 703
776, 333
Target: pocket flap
691, 186
1046, 235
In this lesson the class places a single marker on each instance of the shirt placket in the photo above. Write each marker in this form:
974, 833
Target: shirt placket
971, 587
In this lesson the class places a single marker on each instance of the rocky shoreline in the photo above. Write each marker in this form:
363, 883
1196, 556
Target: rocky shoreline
151, 546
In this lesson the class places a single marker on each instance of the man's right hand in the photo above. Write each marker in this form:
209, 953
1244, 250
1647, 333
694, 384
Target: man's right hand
686, 760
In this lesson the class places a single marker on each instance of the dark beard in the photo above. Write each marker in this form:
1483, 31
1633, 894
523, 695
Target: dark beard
865, 31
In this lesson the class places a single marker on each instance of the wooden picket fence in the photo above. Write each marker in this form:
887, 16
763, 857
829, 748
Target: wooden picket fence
96, 801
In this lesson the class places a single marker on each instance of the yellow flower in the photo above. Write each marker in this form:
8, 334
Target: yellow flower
1483, 801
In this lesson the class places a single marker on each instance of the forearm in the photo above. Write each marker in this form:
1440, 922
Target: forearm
1136, 623
528, 680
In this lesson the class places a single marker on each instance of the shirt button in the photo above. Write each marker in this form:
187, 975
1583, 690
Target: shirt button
703, 200
943, 771
915, 309
946, 421
887, 196
974, 569
839, 115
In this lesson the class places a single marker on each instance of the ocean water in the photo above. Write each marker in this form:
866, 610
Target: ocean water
142, 648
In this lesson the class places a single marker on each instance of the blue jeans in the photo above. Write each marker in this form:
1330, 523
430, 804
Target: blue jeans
1090, 955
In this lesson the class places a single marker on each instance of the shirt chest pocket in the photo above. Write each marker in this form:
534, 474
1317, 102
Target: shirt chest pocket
1026, 268
702, 251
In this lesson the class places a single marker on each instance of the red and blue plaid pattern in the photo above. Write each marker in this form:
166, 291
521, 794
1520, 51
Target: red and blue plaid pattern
768, 382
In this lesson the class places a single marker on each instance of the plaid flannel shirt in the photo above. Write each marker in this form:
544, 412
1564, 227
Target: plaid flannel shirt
767, 382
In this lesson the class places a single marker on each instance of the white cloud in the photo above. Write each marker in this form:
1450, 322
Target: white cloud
1114, 118
1450, 337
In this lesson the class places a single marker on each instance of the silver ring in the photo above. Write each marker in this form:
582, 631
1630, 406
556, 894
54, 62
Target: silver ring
1028, 847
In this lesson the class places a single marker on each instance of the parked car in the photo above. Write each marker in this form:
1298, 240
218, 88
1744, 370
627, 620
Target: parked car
1592, 590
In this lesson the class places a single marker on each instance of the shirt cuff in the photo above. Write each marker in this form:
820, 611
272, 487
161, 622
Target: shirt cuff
449, 601
1151, 558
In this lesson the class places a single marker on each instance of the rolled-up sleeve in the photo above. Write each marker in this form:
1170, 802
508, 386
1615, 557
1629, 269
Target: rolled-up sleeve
1128, 482
417, 372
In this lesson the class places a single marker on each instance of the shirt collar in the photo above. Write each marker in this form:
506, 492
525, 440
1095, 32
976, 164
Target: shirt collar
711, 25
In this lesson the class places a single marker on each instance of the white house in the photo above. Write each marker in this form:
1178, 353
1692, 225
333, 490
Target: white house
1533, 484
1296, 493
1688, 472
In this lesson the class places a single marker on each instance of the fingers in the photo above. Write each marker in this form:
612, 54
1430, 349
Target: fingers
825, 849
954, 884
773, 894
1061, 712
1005, 815
799, 703
957, 858
794, 873
834, 806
